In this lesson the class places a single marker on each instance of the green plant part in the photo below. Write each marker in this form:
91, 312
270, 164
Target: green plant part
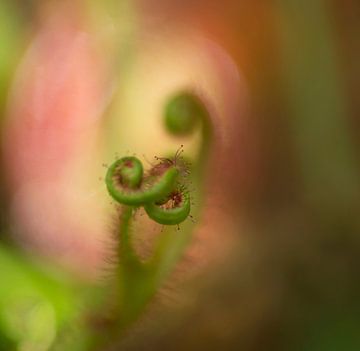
159, 192
162, 191
127, 185
130, 172
183, 112
173, 211
165, 200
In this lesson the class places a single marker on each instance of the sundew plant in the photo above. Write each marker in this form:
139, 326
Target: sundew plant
179, 175
163, 192
50, 308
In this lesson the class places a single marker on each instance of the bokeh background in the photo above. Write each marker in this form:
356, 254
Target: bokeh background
273, 263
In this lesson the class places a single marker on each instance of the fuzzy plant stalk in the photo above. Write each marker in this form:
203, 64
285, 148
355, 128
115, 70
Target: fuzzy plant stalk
162, 191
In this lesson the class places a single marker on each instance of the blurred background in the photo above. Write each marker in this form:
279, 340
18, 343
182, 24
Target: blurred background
274, 257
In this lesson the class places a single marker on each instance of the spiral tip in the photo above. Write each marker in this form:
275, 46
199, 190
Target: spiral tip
183, 112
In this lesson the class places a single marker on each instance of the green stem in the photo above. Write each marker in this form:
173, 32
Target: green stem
135, 278
125, 249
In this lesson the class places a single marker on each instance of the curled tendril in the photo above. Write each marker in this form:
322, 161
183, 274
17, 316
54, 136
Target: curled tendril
157, 191
183, 112
128, 171
174, 210
127, 185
